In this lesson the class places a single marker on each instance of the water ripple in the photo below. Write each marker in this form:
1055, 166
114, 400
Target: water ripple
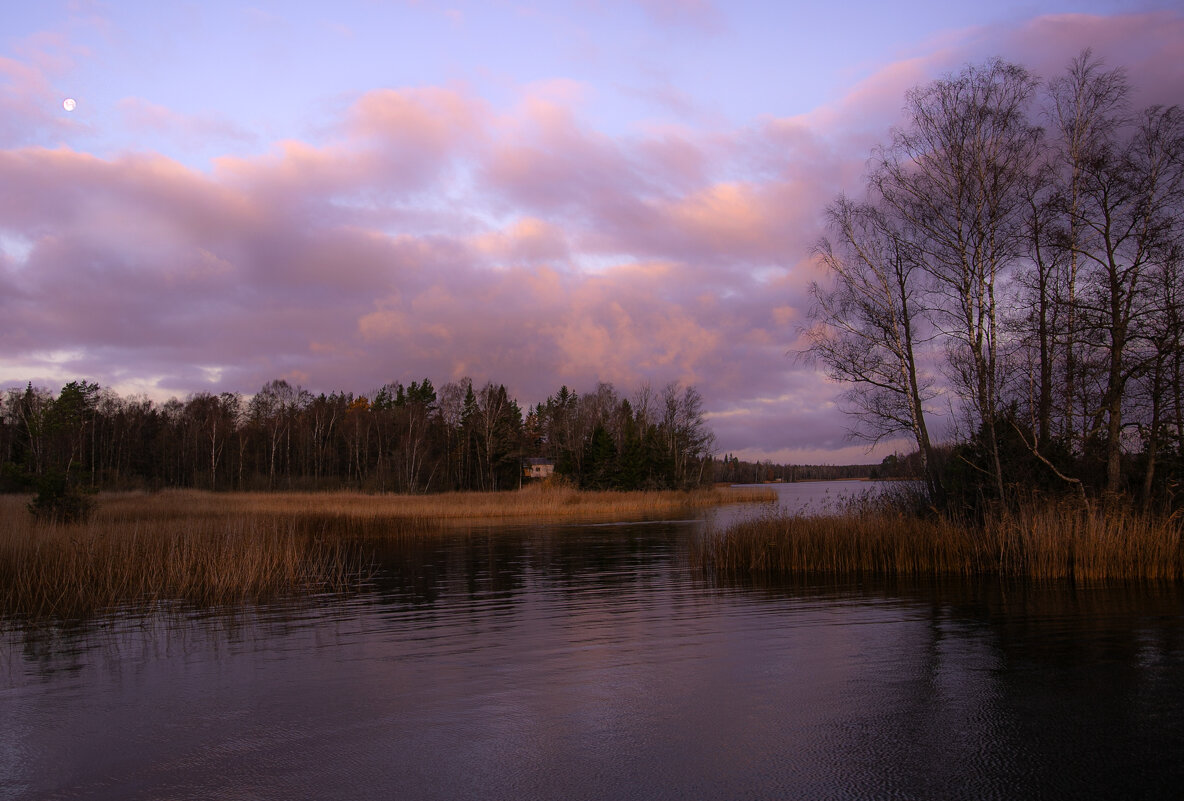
593, 662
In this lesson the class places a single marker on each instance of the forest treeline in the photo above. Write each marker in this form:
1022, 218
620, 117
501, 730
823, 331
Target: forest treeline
398, 439
1015, 264
733, 470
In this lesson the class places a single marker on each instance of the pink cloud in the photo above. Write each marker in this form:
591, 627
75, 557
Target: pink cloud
391, 148
418, 123
142, 115
529, 239
727, 217
548, 161
30, 92
430, 234
253, 284
1146, 45
30, 106
49, 52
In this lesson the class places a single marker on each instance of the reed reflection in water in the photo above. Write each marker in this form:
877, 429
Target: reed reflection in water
594, 662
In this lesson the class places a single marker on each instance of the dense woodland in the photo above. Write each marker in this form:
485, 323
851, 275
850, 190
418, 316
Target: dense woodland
400, 439
1016, 266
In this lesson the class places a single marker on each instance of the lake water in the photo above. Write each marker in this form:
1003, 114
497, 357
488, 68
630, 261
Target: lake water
595, 662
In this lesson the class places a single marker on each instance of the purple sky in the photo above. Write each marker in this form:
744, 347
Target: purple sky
344, 194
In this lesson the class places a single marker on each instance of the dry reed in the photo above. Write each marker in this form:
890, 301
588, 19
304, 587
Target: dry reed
535, 503
74, 571
211, 549
1039, 541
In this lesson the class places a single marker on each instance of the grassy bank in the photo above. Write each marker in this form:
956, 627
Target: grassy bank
76, 571
536, 503
1039, 541
210, 549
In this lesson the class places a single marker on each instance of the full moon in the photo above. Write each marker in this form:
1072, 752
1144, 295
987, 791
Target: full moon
68, 104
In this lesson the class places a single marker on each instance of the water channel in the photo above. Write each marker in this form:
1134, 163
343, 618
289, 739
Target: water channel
596, 662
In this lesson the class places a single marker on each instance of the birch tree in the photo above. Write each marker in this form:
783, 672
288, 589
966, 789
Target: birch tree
866, 324
956, 175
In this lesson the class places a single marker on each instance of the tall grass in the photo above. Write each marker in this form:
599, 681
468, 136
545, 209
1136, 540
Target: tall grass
74, 571
1043, 541
535, 503
212, 549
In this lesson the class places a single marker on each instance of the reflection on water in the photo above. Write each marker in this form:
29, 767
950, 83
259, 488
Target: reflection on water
804, 498
595, 662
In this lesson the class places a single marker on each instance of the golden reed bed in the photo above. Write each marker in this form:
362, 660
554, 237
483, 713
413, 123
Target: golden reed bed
212, 549
1039, 541
538, 502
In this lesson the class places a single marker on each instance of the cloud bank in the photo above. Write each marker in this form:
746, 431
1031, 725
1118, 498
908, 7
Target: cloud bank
426, 232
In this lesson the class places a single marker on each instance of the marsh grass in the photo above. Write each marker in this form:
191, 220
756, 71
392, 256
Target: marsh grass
1039, 540
535, 503
214, 549
77, 570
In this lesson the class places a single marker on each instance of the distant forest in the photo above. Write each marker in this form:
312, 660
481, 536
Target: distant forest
732, 470
395, 439
398, 438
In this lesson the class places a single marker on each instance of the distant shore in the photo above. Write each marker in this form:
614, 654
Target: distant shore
808, 481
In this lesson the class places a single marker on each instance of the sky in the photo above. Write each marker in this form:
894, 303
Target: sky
352, 193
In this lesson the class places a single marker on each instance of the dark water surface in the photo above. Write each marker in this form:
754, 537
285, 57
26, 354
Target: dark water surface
595, 662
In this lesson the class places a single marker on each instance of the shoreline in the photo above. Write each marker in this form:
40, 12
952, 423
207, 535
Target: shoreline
538, 502
1050, 541
207, 549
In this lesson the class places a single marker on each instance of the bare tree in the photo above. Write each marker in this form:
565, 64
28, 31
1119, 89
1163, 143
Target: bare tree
689, 441
866, 327
1086, 107
213, 419
1127, 219
956, 176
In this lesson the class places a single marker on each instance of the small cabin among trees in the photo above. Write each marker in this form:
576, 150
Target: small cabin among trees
537, 468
